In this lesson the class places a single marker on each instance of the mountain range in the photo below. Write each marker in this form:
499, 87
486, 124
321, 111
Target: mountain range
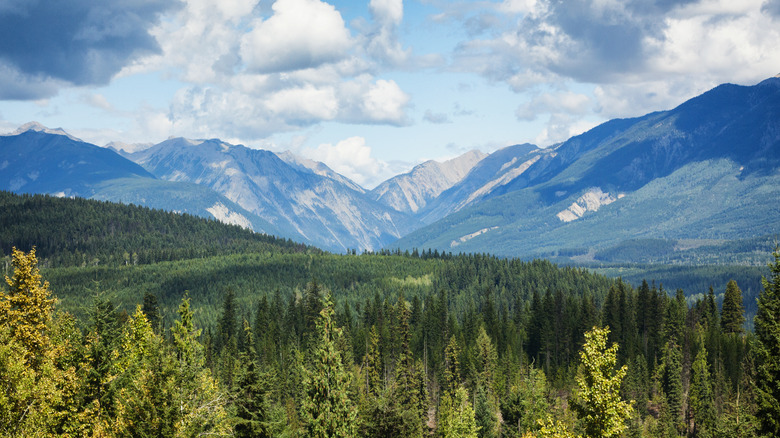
704, 175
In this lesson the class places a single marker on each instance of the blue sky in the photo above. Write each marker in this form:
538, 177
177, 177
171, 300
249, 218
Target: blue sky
369, 88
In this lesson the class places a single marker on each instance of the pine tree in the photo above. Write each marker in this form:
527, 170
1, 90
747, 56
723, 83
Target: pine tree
733, 313
597, 402
327, 410
767, 351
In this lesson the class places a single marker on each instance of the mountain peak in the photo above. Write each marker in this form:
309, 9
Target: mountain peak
37, 127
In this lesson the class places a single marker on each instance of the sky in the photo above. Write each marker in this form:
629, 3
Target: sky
369, 88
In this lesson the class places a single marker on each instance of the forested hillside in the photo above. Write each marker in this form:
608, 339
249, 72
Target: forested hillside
81, 232
219, 331
302, 365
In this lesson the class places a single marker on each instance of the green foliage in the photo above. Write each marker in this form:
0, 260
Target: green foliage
326, 408
733, 314
702, 402
456, 416
767, 351
598, 403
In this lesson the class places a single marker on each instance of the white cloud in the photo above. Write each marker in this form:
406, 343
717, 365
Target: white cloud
561, 127
300, 34
351, 158
563, 102
304, 103
385, 102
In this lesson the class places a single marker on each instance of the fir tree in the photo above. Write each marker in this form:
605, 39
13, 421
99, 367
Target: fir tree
733, 314
701, 401
767, 351
327, 410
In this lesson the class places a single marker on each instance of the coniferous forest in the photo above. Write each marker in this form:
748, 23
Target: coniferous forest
124, 321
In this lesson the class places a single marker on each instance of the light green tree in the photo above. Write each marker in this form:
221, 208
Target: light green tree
37, 384
597, 402
456, 416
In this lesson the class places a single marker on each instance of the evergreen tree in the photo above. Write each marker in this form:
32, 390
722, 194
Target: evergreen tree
526, 403
451, 380
767, 351
151, 309
597, 402
197, 398
456, 416
733, 313
327, 410
701, 400
249, 394
36, 388
372, 363
411, 404
671, 382
27, 306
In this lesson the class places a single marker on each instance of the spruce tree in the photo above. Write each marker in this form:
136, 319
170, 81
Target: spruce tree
701, 400
451, 367
767, 351
327, 410
733, 313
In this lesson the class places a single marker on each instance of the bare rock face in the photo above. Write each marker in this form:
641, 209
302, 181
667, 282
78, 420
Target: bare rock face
410, 192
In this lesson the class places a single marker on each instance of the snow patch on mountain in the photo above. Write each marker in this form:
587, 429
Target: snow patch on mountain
37, 127
592, 200
468, 237
223, 214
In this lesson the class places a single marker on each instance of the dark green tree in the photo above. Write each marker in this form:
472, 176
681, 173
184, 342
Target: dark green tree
700, 399
767, 351
326, 410
249, 393
733, 314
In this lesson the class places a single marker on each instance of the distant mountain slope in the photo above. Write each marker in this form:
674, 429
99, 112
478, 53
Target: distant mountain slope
411, 191
39, 160
490, 174
317, 168
324, 210
707, 169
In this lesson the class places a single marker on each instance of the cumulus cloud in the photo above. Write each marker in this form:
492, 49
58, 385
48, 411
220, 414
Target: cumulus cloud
647, 50
351, 158
50, 43
300, 34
